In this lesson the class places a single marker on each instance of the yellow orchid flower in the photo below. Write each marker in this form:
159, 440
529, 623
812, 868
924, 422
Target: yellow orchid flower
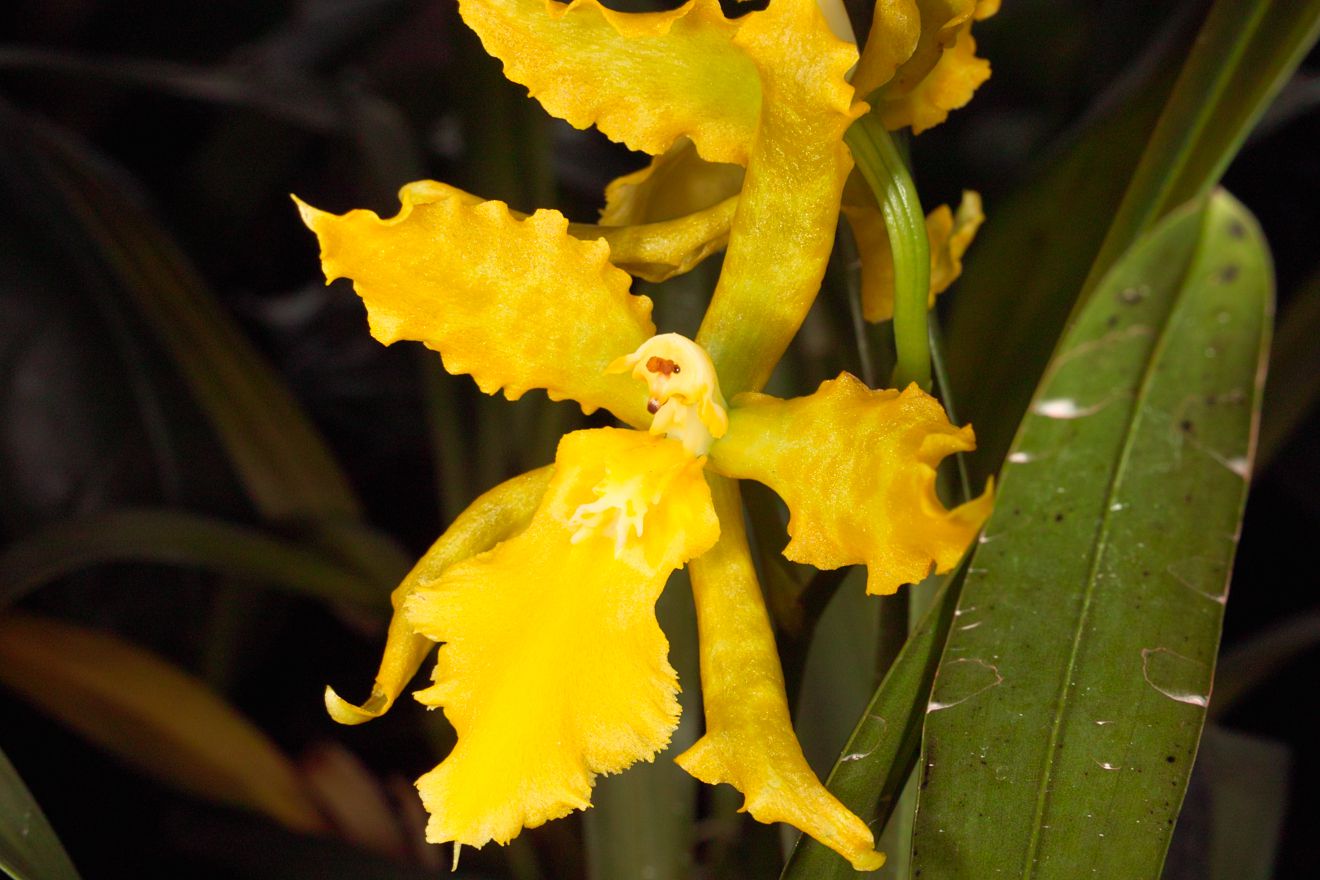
552, 668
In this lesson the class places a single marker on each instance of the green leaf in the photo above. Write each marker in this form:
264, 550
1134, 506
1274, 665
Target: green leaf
882, 750
29, 849
1155, 145
1069, 701
176, 538
282, 460
152, 715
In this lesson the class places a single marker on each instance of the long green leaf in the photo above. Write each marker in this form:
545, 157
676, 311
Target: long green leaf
29, 849
1166, 141
1069, 702
283, 462
177, 538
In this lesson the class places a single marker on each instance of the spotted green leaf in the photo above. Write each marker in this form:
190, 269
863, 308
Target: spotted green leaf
1067, 709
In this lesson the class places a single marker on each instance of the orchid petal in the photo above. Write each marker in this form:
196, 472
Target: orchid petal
665, 248
491, 518
553, 668
643, 79
870, 500
784, 226
948, 86
895, 30
517, 303
749, 741
673, 184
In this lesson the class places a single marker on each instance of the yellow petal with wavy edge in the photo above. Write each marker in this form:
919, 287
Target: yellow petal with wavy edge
519, 304
660, 250
784, 226
673, 184
644, 79
941, 21
868, 500
950, 235
895, 30
493, 517
553, 668
948, 86
749, 741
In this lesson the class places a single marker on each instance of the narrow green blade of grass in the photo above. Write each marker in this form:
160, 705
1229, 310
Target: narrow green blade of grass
1069, 702
29, 849
283, 462
151, 715
174, 537
1163, 142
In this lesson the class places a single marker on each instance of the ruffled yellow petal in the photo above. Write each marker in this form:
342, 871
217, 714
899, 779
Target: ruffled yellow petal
675, 183
519, 304
950, 235
941, 21
553, 668
644, 79
895, 29
749, 741
868, 500
493, 517
784, 226
663, 249
957, 74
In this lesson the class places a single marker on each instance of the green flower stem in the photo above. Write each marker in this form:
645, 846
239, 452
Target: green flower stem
885, 171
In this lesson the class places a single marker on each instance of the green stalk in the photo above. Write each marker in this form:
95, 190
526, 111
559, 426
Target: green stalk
885, 171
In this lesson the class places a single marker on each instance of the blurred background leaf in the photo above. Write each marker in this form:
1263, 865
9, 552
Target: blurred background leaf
1247, 780
146, 712
178, 538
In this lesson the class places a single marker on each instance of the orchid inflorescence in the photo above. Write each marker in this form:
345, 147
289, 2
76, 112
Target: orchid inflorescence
551, 666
